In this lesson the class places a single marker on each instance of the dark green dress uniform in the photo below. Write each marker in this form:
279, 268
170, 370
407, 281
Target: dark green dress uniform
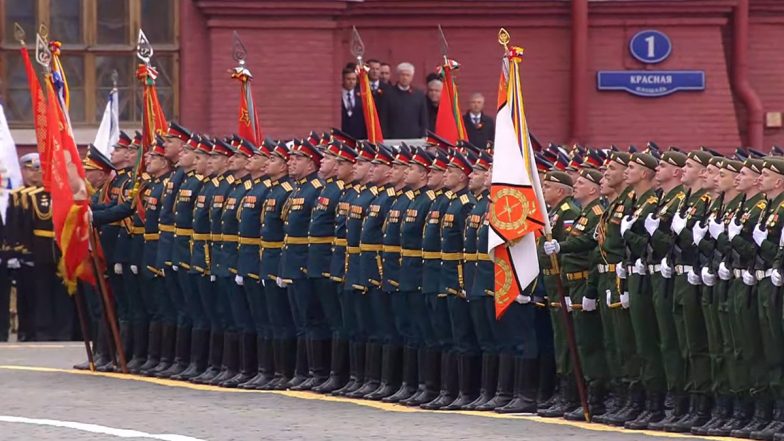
339, 260
18, 236
374, 306
431, 264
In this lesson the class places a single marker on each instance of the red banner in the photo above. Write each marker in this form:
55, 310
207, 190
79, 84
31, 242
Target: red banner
39, 116
372, 123
248, 119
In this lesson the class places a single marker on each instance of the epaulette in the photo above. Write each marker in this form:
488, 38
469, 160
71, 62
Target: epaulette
146, 176
464, 199
705, 197
762, 204
597, 210
267, 182
652, 200
286, 186
341, 185
374, 190
410, 194
316, 183
565, 206
680, 195
215, 181
449, 195
230, 179
248, 185
431, 195
391, 192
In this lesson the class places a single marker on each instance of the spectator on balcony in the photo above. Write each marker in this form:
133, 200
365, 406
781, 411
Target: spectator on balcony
408, 107
434, 87
352, 120
480, 128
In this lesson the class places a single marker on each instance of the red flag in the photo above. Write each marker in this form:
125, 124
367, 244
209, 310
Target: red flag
449, 119
248, 118
372, 123
69, 198
153, 123
39, 116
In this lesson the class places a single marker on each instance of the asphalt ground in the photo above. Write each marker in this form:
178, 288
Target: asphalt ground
44, 399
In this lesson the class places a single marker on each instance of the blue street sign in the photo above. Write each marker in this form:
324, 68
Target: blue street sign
649, 83
650, 46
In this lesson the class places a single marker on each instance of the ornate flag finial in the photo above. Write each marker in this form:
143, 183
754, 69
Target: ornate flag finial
504, 38
238, 51
43, 31
444, 44
115, 77
357, 46
144, 49
42, 53
19, 33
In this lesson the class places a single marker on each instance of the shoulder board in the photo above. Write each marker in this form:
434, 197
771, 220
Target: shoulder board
230, 179
215, 181
391, 192
316, 183
464, 199
410, 194
565, 206
762, 205
653, 200
198, 176
266, 182
597, 210
431, 195
146, 176
341, 185
705, 198
449, 194
374, 190
680, 195
286, 186
248, 185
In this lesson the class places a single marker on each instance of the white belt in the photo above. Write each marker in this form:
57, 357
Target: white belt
654, 268
738, 273
683, 269
633, 270
603, 269
763, 274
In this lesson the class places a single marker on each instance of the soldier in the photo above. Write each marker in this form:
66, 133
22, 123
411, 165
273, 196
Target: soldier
312, 330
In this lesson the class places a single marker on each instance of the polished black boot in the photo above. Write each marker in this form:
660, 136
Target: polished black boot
547, 378
525, 378
230, 360
168, 341
214, 359
489, 381
338, 372
248, 361
568, 401
390, 373
285, 361
429, 367
596, 407
356, 369
504, 388
699, 414
775, 426
100, 352
181, 353
654, 412
200, 345
409, 384
741, 415
265, 369
681, 406
762, 416
317, 364
721, 413
153, 347
635, 405
449, 385
617, 400
467, 373
126, 338
301, 373
372, 371
139, 333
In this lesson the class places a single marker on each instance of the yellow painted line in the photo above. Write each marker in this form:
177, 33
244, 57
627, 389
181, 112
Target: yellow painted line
366, 403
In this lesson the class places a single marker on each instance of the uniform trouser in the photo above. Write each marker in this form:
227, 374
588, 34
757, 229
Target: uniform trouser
347, 313
239, 311
562, 362
189, 286
772, 335
55, 310
5, 302
209, 298
24, 279
646, 333
438, 314
138, 313
328, 295
175, 291
463, 335
517, 325
404, 327
152, 289
118, 293
363, 313
165, 299
257, 301
605, 289
672, 358
725, 377
692, 334
280, 317
383, 318
308, 314
746, 339
485, 336
588, 333
542, 324
718, 372
617, 321
424, 335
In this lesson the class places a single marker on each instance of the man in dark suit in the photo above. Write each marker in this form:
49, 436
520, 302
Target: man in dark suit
434, 88
352, 119
382, 93
479, 127
408, 108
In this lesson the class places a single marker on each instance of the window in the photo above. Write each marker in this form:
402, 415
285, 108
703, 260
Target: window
99, 37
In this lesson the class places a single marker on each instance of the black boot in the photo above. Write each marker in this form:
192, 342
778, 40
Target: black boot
126, 338
214, 359
168, 341
408, 385
230, 360
317, 364
301, 364
138, 334
449, 387
356, 369
504, 387
547, 378
390, 373
285, 355
681, 408
699, 414
467, 372
489, 381
617, 400
525, 379
429, 367
200, 339
265, 369
247, 361
654, 411
721, 413
775, 426
635, 405
741, 414
181, 353
372, 371
762, 416
153, 347
338, 372
596, 405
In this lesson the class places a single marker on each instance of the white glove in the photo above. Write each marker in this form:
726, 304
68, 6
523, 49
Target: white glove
589, 304
775, 278
666, 269
734, 228
279, 281
521, 299
239, 280
626, 224
708, 278
651, 224
620, 270
551, 247
748, 278
678, 223
693, 278
13, 263
759, 234
118, 268
781, 241
625, 300
715, 227
134, 269
639, 268
698, 232
213, 278
175, 268
724, 272
568, 301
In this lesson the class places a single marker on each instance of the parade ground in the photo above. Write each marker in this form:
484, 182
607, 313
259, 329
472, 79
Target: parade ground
44, 399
